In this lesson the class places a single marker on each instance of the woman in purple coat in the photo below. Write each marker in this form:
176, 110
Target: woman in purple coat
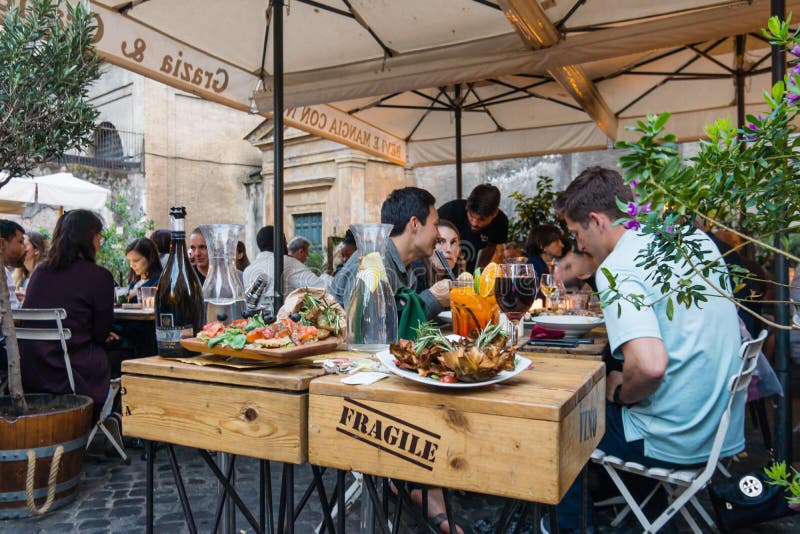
70, 279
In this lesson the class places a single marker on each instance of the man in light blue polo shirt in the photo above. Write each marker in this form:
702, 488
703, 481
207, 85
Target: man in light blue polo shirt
663, 409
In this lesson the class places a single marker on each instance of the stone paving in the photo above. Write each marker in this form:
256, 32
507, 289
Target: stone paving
111, 498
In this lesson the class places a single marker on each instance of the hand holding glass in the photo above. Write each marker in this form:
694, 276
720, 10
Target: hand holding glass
514, 289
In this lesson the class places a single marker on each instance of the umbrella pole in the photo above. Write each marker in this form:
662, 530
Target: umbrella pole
277, 158
740, 75
459, 189
783, 415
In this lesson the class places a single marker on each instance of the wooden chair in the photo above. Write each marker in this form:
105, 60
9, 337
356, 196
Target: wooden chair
682, 485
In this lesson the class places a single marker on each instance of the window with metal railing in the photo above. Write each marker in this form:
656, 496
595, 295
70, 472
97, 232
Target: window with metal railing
110, 149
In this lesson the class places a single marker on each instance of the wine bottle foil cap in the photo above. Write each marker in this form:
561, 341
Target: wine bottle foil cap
178, 212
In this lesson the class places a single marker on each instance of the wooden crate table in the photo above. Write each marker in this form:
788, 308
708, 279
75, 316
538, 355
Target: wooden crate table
527, 438
259, 413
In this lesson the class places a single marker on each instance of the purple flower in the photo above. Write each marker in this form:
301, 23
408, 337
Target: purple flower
632, 209
796, 50
670, 229
632, 224
796, 70
647, 208
752, 127
634, 183
792, 98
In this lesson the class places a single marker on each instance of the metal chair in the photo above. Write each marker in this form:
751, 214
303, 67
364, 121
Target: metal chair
108, 423
682, 485
46, 334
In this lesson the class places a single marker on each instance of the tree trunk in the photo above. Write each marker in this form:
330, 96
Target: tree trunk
12, 349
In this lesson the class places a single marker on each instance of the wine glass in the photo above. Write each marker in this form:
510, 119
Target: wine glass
548, 286
514, 290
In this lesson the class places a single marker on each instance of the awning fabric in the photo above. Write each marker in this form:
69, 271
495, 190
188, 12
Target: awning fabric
363, 72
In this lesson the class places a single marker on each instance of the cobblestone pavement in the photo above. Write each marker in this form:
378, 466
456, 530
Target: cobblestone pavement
111, 498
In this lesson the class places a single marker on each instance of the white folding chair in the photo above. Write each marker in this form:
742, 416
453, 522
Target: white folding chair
682, 485
62, 334
109, 423
46, 334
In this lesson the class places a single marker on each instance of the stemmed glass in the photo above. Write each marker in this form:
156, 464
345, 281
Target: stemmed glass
548, 286
514, 290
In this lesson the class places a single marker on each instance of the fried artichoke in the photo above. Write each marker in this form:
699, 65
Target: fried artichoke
469, 360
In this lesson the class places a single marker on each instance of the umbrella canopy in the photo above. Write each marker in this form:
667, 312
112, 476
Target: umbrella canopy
60, 189
353, 51
524, 115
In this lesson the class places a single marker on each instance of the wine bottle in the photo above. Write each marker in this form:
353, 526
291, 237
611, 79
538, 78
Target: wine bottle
179, 299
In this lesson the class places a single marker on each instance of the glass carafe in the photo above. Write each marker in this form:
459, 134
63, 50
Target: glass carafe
222, 291
371, 311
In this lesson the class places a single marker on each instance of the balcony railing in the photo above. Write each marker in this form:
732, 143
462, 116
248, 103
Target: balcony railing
111, 149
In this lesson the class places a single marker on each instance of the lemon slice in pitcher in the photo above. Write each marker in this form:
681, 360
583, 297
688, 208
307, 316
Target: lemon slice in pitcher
371, 270
465, 276
488, 275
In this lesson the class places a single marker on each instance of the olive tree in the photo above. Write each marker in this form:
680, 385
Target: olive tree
47, 63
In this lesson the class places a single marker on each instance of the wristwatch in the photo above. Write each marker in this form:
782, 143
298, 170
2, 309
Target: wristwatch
616, 395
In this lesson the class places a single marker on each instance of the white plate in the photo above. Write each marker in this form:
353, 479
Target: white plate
446, 316
387, 359
572, 325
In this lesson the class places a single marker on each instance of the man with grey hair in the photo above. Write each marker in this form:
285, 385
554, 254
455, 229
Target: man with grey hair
299, 248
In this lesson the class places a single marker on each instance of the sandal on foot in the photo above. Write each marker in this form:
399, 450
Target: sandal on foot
439, 520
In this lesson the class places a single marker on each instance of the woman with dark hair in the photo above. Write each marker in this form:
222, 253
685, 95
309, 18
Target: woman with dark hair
430, 270
142, 255
544, 245
242, 261
162, 239
70, 279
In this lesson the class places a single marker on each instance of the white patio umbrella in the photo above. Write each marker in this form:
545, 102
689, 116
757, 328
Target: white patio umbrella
343, 51
59, 189
356, 52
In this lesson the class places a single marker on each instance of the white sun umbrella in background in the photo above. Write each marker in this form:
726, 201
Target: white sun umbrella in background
61, 189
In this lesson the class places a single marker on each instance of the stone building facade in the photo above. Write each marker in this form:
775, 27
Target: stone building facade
190, 152
324, 181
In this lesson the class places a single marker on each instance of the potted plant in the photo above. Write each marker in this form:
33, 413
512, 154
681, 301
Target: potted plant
47, 62
743, 181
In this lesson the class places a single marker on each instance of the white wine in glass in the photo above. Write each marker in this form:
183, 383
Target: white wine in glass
548, 286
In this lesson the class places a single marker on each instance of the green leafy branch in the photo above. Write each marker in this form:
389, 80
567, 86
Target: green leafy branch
779, 475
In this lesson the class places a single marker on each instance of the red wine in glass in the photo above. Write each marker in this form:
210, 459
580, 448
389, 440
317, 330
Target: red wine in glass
514, 290
515, 295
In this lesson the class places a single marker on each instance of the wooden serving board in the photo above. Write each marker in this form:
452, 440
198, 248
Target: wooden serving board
266, 355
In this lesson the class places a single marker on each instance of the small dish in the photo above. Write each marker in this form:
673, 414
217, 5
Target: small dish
572, 325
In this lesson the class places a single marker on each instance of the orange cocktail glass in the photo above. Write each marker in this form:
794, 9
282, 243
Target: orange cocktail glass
470, 310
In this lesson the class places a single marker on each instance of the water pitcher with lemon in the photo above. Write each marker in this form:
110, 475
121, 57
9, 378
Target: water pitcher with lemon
371, 311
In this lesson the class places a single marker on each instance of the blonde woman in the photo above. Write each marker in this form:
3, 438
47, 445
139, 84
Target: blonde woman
35, 252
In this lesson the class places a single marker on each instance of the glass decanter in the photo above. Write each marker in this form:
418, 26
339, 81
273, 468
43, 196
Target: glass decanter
222, 291
371, 311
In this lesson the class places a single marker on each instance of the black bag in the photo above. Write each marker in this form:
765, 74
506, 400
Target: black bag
747, 499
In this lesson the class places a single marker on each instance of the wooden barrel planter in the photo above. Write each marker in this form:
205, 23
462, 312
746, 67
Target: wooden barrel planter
55, 426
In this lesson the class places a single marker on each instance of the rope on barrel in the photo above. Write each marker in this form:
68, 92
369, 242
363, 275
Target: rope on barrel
51, 481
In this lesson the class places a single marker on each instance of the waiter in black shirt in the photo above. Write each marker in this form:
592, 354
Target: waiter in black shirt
480, 222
